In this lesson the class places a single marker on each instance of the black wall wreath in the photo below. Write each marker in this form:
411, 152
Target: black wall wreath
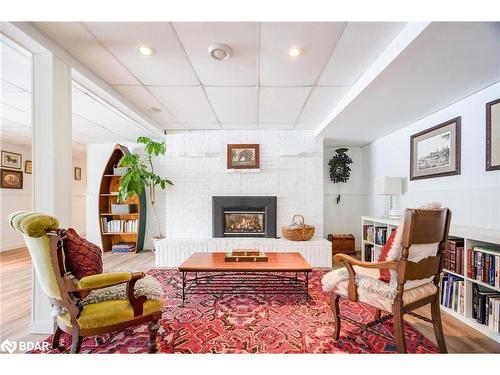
339, 166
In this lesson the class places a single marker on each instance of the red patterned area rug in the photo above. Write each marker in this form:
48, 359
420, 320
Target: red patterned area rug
252, 324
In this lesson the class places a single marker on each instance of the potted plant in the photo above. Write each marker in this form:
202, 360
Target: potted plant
141, 175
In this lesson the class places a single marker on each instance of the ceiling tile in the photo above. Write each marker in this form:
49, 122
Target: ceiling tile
243, 38
168, 66
234, 104
81, 123
8, 87
276, 126
317, 40
93, 110
16, 115
320, 103
130, 133
144, 100
15, 67
187, 104
76, 39
281, 104
20, 100
360, 44
239, 126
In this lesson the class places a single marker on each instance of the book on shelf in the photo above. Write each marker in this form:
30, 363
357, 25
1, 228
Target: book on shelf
118, 226
452, 289
369, 233
123, 247
486, 306
369, 253
453, 256
380, 235
484, 265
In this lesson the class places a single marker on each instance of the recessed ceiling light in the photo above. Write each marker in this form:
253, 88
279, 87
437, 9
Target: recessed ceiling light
153, 110
220, 51
294, 51
145, 50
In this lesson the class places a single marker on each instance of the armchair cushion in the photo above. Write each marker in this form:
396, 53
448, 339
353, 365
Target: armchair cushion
103, 280
108, 313
380, 300
83, 258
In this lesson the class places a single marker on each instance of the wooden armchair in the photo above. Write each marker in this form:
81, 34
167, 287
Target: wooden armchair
47, 250
422, 229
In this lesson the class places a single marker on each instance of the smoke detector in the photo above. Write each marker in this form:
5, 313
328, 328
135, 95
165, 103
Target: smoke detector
220, 51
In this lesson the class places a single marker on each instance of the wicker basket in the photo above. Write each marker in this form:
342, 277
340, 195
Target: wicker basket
120, 171
298, 230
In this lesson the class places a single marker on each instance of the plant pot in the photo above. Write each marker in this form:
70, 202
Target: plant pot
157, 242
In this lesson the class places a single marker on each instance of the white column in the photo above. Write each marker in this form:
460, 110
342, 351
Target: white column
52, 164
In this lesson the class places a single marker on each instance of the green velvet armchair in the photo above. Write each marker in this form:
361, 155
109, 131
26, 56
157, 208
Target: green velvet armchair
46, 245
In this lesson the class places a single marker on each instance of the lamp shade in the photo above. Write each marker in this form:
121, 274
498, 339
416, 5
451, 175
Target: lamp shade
393, 185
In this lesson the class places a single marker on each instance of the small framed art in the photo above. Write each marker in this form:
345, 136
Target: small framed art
435, 152
28, 167
493, 135
11, 160
78, 174
11, 179
243, 156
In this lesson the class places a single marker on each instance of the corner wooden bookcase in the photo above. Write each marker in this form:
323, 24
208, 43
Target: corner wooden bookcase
108, 195
472, 237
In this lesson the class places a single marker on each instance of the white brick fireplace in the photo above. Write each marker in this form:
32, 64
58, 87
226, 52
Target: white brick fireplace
291, 169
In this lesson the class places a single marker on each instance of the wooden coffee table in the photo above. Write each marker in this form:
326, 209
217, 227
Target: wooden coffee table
208, 273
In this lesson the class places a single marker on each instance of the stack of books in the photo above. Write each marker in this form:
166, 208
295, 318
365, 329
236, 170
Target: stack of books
369, 233
453, 256
486, 307
369, 253
484, 265
123, 247
380, 235
452, 292
118, 226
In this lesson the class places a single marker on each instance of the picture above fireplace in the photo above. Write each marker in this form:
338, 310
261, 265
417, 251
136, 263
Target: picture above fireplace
242, 216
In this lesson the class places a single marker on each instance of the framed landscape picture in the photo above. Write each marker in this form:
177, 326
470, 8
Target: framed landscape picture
11, 160
11, 179
243, 156
78, 174
493, 135
435, 152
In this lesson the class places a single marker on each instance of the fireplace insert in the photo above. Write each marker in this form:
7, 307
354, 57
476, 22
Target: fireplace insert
241, 216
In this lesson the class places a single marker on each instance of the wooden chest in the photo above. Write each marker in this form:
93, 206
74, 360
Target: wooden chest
342, 243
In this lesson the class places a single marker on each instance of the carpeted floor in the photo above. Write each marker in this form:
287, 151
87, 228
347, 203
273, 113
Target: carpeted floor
252, 324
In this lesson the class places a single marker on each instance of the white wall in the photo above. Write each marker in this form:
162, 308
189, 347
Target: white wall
196, 163
344, 218
297, 181
473, 196
21, 199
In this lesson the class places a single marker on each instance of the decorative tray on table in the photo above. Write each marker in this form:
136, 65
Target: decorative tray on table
245, 255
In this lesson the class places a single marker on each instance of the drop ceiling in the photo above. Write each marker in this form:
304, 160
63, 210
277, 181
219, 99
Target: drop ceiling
92, 119
259, 87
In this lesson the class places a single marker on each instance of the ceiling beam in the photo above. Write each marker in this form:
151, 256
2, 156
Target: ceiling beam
81, 74
407, 35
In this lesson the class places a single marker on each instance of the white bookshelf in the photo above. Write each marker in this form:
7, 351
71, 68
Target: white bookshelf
472, 237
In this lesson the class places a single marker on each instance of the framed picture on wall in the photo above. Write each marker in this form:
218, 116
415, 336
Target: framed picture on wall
493, 135
28, 167
243, 156
11, 179
78, 173
435, 152
11, 160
